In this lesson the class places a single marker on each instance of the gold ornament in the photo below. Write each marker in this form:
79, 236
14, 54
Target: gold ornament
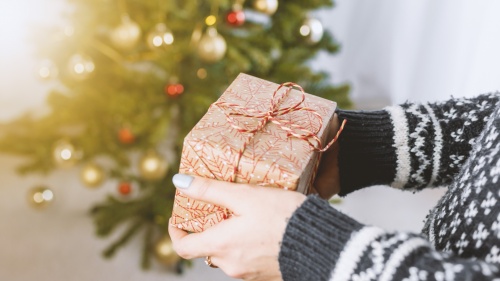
160, 36
165, 253
47, 70
92, 175
266, 6
201, 73
311, 30
152, 166
80, 66
40, 197
127, 34
212, 46
64, 154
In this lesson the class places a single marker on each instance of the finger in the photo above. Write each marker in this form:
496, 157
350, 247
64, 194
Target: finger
227, 194
176, 233
185, 245
190, 246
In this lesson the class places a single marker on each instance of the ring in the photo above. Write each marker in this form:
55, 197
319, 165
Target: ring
208, 261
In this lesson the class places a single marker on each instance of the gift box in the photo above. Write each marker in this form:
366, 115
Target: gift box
258, 132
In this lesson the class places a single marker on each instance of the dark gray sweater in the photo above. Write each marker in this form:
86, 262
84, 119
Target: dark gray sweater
413, 146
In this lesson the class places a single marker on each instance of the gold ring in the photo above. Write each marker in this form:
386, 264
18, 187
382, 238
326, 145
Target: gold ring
208, 261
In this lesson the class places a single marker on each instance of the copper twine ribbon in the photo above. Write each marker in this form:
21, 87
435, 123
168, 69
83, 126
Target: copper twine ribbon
272, 115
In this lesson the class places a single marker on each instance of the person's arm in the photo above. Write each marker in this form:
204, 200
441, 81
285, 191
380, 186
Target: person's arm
321, 243
410, 146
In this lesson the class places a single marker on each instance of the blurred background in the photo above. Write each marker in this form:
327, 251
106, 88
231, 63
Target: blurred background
390, 51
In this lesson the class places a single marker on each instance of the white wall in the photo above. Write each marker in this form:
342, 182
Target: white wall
19, 21
421, 50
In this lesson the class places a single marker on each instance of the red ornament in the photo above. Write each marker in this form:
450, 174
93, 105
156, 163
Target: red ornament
125, 188
174, 89
125, 136
235, 17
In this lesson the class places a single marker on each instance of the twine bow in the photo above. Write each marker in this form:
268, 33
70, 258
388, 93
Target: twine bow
273, 114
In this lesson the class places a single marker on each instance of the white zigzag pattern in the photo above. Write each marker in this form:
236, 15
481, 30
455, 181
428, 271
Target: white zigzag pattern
423, 159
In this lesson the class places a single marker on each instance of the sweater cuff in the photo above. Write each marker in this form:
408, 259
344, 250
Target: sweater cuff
366, 150
314, 238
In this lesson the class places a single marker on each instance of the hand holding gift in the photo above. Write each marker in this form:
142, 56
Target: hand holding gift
247, 245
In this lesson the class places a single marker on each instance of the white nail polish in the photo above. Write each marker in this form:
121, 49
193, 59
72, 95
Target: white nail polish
182, 181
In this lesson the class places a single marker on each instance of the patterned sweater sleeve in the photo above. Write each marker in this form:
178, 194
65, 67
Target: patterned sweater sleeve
321, 243
410, 146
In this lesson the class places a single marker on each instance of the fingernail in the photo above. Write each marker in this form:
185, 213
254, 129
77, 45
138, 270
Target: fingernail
182, 181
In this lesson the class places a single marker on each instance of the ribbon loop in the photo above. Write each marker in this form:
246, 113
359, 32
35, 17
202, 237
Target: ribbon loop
273, 114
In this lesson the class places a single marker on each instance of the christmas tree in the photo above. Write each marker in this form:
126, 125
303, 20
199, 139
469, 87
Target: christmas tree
133, 77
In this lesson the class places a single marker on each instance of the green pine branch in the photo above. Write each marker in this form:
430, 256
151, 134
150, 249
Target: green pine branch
127, 89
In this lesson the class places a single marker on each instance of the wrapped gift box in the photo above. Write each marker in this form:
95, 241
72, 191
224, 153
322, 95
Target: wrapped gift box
258, 132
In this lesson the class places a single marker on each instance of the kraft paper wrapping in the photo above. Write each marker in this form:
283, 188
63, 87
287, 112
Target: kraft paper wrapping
269, 157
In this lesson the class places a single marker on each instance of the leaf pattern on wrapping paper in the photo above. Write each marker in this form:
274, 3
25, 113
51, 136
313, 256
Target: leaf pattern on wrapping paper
227, 139
194, 208
259, 153
191, 163
319, 108
303, 146
219, 146
306, 119
293, 160
219, 164
192, 214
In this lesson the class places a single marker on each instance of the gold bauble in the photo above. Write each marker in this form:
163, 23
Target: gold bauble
212, 46
40, 197
152, 166
266, 6
64, 153
160, 36
201, 73
92, 175
165, 253
80, 66
311, 30
127, 34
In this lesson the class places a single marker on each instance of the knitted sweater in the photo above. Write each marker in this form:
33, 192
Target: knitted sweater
412, 146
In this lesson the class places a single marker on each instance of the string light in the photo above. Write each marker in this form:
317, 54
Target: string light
210, 20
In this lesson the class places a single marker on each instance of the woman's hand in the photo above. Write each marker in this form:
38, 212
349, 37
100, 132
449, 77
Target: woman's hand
246, 245
327, 181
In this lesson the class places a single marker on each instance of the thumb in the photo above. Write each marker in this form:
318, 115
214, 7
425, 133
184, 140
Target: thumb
227, 194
